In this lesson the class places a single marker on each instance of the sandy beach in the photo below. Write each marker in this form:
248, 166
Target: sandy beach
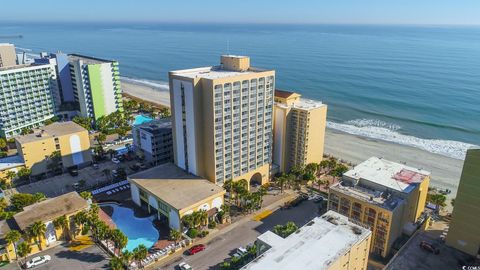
445, 171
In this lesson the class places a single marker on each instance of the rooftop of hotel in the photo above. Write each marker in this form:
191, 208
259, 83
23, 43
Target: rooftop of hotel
89, 60
387, 173
50, 209
53, 130
11, 162
175, 186
316, 245
213, 72
301, 103
157, 125
16, 67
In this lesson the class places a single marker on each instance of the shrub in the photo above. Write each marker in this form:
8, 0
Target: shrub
3, 154
192, 233
212, 224
203, 234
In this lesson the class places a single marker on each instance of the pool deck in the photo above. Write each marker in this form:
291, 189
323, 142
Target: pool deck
106, 212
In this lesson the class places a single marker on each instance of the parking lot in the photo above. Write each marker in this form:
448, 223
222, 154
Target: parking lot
63, 258
412, 256
61, 184
224, 245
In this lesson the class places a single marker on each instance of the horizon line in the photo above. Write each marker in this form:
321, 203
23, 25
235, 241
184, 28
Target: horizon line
240, 23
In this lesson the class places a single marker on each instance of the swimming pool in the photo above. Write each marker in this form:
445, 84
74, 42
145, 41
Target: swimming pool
140, 119
138, 230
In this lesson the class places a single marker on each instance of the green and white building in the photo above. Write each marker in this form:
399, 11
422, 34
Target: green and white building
26, 99
96, 85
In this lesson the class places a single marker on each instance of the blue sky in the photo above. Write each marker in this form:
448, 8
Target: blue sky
250, 11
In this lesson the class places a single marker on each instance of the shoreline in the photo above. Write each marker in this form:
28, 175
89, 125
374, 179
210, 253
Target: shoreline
348, 147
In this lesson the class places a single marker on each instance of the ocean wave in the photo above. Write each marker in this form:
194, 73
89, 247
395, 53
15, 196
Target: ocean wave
163, 86
376, 129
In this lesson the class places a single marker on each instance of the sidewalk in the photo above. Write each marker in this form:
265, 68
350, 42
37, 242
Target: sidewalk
271, 207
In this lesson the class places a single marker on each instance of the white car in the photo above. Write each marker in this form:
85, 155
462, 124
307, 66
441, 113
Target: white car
185, 266
38, 261
115, 160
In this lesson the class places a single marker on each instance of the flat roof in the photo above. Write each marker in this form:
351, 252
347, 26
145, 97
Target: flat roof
89, 60
213, 72
387, 173
284, 94
316, 245
11, 162
50, 209
21, 66
157, 125
175, 186
53, 130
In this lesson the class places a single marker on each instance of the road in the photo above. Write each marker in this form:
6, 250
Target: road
224, 245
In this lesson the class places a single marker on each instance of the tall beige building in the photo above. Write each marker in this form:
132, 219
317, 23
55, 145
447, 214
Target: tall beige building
464, 232
8, 57
299, 130
222, 120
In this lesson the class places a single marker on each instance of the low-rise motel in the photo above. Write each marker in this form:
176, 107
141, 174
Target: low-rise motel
70, 139
327, 242
464, 231
171, 193
299, 130
387, 197
45, 212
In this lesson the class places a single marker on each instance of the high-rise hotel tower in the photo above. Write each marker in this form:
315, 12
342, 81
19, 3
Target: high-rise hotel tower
222, 120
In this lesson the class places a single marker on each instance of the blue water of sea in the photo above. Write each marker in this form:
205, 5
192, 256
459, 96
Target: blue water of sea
413, 85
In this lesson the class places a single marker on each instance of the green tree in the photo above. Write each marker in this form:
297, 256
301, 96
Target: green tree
24, 174
86, 195
62, 222
12, 237
438, 199
285, 230
139, 254
54, 160
23, 250
119, 239
175, 236
100, 138
20, 200
116, 263
37, 229
26, 131
85, 122
3, 143
126, 256
339, 170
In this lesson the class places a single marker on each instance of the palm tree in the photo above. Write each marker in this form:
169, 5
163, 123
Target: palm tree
119, 239
188, 220
126, 257
116, 263
10, 175
139, 254
62, 223
203, 217
86, 195
228, 186
12, 237
38, 229
175, 236
23, 250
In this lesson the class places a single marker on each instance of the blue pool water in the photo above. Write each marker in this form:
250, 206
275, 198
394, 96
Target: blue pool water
138, 230
140, 119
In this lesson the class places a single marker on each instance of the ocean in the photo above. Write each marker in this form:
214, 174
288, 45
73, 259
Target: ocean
411, 85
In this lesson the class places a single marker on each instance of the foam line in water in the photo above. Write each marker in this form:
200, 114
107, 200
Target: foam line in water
155, 84
380, 130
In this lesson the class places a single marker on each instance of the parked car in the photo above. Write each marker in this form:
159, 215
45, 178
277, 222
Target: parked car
429, 247
95, 166
195, 249
115, 160
142, 166
242, 251
135, 167
38, 261
185, 266
73, 171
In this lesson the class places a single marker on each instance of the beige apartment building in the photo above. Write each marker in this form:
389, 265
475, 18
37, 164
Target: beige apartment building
8, 57
70, 139
222, 120
299, 130
464, 232
387, 197
328, 242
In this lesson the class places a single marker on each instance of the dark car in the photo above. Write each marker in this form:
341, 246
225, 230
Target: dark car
73, 171
429, 247
135, 168
195, 249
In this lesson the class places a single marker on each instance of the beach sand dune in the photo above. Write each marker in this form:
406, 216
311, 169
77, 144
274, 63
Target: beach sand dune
445, 171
